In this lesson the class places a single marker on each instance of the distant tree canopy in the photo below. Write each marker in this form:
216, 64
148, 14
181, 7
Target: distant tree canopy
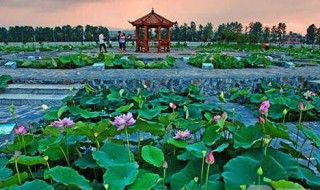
65, 33
255, 32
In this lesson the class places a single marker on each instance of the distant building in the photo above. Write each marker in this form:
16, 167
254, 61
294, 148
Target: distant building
292, 38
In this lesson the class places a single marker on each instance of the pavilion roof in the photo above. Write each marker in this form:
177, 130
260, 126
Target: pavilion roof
152, 19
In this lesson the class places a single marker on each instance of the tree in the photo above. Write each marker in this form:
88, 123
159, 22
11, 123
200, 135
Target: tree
281, 30
193, 31
266, 34
255, 32
208, 32
311, 34
3, 34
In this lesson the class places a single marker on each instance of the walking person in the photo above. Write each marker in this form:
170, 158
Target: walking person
119, 36
123, 42
102, 43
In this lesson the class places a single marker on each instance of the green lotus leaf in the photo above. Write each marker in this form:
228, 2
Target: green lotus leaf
29, 160
111, 154
36, 184
312, 136
69, 177
13, 180
308, 176
284, 184
221, 147
150, 113
193, 151
177, 143
188, 124
257, 98
154, 128
245, 137
145, 181
153, 155
117, 177
86, 162
211, 135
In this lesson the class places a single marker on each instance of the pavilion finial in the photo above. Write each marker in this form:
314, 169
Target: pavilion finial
152, 10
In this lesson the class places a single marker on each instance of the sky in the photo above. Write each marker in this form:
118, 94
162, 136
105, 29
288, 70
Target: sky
115, 14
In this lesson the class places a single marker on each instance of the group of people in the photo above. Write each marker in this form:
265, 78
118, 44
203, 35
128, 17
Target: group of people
121, 40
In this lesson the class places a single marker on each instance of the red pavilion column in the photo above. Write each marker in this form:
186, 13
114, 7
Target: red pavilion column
159, 38
137, 39
145, 39
169, 39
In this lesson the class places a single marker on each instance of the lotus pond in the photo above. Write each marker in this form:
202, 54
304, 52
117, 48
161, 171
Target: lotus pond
115, 139
110, 60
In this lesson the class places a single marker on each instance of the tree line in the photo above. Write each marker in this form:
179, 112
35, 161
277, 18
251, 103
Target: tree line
65, 33
255, 32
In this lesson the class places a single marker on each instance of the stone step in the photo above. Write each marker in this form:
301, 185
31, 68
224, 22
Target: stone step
31, 99
41, 89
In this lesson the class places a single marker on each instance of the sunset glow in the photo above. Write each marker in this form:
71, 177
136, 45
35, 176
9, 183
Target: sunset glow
115, 14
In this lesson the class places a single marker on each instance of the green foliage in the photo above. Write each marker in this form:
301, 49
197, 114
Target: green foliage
93, 154
4, 80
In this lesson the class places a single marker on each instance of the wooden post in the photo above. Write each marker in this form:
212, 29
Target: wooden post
137, 39
145, 39
159, 38
168, 38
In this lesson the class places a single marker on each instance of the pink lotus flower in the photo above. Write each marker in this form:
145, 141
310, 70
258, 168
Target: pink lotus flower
172, 105
261, 120
264, 107
123, 121
65, 122
20, 130
216, 118
210, 158
182, 134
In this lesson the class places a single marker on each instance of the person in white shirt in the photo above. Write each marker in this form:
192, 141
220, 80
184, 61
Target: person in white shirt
102, 43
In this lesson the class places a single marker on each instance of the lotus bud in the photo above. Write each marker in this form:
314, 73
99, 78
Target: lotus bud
17, 154
224, 115
270, 84
165, 164
6, 141
12, 108
95, 135
196, 179
259, 171
106, 186
243, 187
46, 158
233, 110
301, 106
172, 105
204, 152
210, 158
281, 90
266, 140
285, 111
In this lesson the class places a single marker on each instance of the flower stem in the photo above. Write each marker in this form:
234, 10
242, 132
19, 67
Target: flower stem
127, 137
300, 152
31, 172
310, 155
201, 175
139, 140
299, 126
17, 170
65, 156
98, 144
24, 145
207, 177
164, 177
259, 182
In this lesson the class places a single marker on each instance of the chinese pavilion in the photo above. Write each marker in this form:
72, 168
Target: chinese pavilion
149, 21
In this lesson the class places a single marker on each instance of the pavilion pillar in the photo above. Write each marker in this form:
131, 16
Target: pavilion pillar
159, 38
169, 39
137, 39
145, 39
